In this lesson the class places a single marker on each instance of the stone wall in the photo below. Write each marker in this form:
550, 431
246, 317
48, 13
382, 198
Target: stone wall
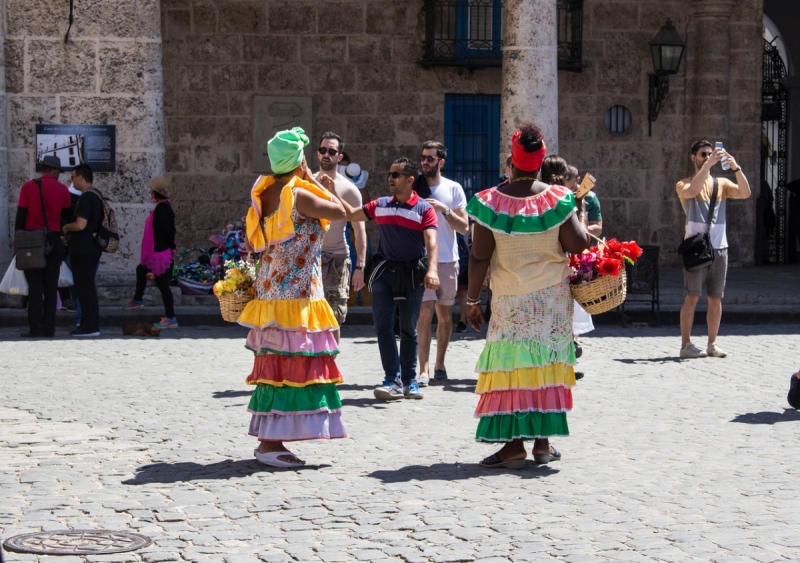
5, 209
717, 98
109, 72
356, 59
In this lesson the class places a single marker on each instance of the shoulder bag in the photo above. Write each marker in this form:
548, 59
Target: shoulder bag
696, 250
32, 247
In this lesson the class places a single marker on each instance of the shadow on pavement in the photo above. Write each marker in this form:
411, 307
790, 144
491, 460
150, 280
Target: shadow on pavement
457, 385
230, 394
664, 360
364, 402
766, 417
458, 471
191, 471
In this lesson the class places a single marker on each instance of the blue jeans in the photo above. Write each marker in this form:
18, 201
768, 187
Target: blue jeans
383, 311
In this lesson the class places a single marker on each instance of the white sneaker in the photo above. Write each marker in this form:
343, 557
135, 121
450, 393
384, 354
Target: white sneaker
423, 381
715, 352
692, 351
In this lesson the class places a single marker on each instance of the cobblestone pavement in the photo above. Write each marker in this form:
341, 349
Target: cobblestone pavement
668, 460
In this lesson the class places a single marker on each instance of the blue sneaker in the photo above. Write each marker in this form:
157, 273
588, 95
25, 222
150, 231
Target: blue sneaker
411, 391
389, 391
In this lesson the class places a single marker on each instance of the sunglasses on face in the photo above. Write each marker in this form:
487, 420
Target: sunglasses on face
331, 152
428, 159
705, 154
396, 175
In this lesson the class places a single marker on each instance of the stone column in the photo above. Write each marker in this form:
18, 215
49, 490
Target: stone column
109, 72
708, 58
530, 71
6, 209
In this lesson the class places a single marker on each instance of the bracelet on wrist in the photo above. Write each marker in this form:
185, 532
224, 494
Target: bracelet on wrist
473, 301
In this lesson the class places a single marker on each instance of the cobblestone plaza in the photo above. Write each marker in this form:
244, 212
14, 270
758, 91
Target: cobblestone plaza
668, 460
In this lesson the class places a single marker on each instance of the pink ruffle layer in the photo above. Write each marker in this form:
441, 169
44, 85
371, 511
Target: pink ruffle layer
298, 342
293, 428
557, 398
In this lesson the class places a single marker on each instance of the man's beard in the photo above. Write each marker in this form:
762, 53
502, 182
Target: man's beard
432, 172
327, 167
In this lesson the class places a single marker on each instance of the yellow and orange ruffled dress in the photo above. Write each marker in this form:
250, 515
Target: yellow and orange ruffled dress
291, 325
525, 369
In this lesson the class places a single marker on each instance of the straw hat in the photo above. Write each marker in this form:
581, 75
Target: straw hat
160, 185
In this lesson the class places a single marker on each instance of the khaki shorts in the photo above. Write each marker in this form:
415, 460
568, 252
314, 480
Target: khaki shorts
713, 277
448, 285
336, 283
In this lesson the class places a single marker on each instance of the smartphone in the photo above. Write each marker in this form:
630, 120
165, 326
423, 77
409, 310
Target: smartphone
724, 161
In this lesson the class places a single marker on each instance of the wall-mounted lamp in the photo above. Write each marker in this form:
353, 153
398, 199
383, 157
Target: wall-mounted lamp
667, 49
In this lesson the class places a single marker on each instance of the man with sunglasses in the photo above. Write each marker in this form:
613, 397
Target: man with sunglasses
336, 264
695, 195
404, 267
450, 203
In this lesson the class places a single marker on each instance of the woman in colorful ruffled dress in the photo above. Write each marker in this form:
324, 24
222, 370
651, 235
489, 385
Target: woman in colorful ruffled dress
523, 229
292, 326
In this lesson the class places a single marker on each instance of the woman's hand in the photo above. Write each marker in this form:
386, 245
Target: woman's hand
475, 317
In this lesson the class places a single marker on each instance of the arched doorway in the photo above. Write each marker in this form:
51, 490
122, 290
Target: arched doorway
772, 233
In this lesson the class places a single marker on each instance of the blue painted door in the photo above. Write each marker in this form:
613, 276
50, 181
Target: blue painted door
472, 138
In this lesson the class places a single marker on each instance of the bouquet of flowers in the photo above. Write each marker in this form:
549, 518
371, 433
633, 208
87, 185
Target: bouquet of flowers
240, 277
606, 259
597, 278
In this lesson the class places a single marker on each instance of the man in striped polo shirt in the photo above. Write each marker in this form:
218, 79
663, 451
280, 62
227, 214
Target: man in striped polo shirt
405, 265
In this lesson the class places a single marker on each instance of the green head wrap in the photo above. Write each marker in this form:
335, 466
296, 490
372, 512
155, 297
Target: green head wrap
285, 150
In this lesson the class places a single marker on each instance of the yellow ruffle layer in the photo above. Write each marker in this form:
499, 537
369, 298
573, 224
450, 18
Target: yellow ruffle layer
526, 378
289, 314
278, 226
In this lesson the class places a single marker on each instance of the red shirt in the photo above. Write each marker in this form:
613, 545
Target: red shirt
56, 198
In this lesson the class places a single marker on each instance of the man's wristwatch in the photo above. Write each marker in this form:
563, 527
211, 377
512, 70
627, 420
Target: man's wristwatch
359, 267
446, 212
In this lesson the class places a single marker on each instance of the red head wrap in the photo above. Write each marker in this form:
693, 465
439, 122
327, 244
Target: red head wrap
528, 161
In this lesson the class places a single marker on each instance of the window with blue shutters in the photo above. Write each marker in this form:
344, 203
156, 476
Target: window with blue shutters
472, 138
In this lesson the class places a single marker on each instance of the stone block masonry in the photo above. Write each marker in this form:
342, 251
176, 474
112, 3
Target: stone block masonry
109, 72
357, 60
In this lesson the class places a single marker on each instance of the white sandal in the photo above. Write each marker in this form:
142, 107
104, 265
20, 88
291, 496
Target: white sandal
271, 459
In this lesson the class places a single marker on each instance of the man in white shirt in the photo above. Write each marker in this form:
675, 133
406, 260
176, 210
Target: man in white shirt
449, 201
336, 264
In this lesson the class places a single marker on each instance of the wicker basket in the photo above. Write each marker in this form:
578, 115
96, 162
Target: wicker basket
194, 287
231, 305
601, 294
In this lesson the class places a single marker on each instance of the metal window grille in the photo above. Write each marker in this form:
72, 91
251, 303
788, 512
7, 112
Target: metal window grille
774, 127
472, 138
470, 33
618, 119
570, 35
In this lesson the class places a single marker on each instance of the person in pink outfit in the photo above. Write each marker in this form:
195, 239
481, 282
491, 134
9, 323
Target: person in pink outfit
158, 242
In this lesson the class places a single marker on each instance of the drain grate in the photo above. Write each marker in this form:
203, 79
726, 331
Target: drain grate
76, 542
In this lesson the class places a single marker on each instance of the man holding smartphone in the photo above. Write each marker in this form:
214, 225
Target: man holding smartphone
695, 195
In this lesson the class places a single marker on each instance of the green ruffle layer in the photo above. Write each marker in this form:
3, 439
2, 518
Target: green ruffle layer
312, 398
529, 425
508, 356
521, 224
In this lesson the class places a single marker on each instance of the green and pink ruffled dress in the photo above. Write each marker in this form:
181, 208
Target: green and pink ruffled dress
525, 369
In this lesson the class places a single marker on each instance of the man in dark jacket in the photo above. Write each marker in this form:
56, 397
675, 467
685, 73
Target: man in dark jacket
43, 282
84, 251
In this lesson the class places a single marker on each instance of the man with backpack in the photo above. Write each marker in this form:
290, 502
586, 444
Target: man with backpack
84, 250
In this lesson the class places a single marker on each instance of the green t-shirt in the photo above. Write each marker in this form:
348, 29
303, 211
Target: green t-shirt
592, 207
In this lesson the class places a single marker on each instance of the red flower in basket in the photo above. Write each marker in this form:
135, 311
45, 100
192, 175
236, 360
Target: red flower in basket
631, 250
609, 267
